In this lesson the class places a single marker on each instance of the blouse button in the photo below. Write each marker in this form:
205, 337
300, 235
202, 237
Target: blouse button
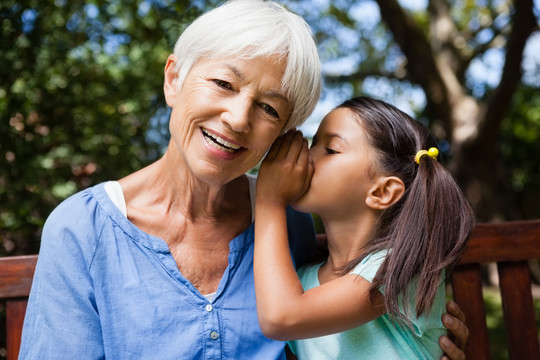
214, 335
209, 307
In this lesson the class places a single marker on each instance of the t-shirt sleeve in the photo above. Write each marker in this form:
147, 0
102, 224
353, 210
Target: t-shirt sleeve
368, 268
292, 346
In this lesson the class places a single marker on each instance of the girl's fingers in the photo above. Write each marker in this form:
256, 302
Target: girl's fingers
287, 143
283, 173
285, 146
303, 152
274, 149
296, 148
309, 168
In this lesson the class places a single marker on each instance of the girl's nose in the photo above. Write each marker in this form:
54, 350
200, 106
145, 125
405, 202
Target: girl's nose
313, 154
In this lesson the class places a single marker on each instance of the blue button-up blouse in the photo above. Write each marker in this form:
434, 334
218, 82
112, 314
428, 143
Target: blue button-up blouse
105, 289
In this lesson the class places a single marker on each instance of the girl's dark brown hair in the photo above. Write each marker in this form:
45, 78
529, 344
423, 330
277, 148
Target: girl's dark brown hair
428, 229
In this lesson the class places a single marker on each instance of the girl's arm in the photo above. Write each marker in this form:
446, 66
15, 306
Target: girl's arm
285, 311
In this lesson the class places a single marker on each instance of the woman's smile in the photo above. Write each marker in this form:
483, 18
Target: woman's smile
220, 143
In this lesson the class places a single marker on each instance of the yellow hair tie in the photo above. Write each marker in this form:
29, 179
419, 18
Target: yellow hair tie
433, 152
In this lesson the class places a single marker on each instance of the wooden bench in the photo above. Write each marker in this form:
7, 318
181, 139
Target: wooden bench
15, 281
509, 244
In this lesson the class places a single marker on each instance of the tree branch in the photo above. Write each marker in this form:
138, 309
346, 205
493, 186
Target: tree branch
443, 30
360, 75
524, 23
414, 44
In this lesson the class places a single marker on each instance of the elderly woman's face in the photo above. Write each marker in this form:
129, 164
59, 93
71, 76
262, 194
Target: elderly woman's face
227, 114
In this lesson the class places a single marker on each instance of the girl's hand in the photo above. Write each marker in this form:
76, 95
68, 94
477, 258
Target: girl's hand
286, 171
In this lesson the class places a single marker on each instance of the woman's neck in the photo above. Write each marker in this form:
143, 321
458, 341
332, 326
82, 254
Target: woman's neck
178, 191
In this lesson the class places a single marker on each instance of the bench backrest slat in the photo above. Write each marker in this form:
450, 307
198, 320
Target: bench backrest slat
15, 281
511, 245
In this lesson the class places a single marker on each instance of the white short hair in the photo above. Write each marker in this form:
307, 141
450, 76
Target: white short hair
253, 28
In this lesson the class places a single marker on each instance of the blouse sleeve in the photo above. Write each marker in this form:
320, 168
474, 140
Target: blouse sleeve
61, 320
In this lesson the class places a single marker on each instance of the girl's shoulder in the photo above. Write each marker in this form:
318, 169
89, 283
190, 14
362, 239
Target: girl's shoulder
368, 267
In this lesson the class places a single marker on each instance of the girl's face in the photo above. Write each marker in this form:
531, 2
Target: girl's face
227, 114
343, 161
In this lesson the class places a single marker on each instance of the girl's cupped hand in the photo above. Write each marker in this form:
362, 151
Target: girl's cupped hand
286, 171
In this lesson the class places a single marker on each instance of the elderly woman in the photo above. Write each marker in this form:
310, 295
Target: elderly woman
159, 265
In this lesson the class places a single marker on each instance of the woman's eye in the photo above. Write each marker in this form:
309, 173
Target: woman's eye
330, 151
223, 84
270, 110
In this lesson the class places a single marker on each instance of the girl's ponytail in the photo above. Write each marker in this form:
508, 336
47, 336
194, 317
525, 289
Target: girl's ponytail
427, 236
427, 230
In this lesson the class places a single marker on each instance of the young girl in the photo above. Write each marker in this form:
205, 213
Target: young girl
395, 221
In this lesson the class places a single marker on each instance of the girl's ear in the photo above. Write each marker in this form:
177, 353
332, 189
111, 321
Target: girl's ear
171, 76
385, 192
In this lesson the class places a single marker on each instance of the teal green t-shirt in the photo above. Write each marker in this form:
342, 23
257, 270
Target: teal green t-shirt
380, 338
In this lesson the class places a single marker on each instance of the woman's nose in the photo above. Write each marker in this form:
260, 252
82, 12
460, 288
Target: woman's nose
237, 114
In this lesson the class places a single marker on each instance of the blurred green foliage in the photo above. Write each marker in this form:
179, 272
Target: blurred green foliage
495, 322
520, 146
80, 100
81, 95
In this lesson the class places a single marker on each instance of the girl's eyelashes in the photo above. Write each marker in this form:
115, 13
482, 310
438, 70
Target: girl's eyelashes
330, 151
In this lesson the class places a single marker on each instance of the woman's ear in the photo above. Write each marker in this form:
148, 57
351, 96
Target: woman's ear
385, 192
171, 78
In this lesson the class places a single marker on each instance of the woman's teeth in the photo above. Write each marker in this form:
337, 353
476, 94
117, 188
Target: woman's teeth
219, 143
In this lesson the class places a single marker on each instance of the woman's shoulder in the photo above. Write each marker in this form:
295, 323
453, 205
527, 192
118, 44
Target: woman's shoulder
79, 204
77, 219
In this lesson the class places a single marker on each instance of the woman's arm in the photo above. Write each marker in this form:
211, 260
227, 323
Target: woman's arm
285, 311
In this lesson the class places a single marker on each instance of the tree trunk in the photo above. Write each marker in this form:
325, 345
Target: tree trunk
471, 125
